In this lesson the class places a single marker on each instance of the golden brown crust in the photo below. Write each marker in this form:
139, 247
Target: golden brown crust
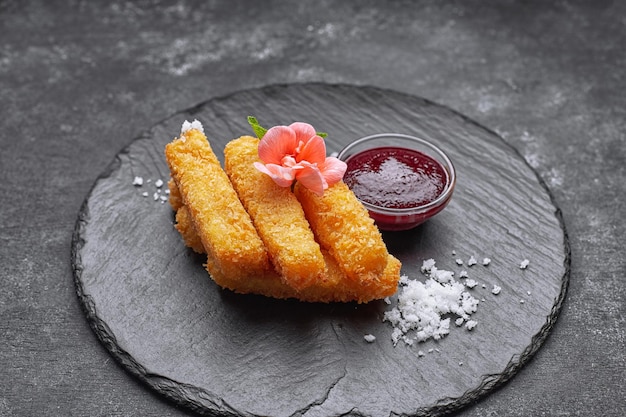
276, 214
343, 227
184, 225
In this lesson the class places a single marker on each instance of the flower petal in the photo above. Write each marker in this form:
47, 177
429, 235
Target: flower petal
333, 170
283, 176
278, 142
313, 151
311, 177
304, 131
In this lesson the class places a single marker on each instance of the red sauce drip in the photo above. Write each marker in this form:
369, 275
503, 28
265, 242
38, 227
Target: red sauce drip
395, 177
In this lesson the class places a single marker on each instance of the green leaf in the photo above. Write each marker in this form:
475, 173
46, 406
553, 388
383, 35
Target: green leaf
259, 131
321, 134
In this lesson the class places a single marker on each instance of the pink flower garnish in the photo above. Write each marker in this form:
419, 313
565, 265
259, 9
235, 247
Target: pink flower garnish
297, 153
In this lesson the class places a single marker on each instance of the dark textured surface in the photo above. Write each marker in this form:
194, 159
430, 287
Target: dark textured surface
150, 302
78, 79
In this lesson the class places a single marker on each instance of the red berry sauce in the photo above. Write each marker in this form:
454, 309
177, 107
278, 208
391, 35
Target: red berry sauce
397, 178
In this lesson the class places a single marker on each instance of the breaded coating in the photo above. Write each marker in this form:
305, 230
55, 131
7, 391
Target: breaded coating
343, 227
175, 199
333, 287
222, 224
277, 216
184, 225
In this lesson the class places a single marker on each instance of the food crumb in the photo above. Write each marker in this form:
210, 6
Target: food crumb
369, 338
459, 321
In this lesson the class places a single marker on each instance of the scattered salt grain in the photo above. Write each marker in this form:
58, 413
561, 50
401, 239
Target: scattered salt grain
191, 125
427, 265
496, 290
158, 183
155, 196
369, 338
486, 261
138, 181
145, 194
524, 264
459, 261
471, 261
470, 283
463, 274
459, 322
420, 353
471, 324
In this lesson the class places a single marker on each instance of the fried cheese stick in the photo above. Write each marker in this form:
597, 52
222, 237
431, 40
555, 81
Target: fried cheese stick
218, 217
343, 227
277, 216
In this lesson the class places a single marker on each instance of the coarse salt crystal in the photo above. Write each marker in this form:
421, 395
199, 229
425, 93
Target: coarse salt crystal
418, 315
471, 261
158, 183
191, 125
496, 290
470, 283
459, 261
524, 264
369, 338
138, 181
486, 261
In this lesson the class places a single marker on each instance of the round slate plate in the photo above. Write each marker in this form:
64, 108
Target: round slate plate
151, 303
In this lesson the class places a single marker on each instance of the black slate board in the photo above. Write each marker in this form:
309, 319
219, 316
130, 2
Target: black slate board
151, 303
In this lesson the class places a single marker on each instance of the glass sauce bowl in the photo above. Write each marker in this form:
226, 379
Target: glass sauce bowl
401, 180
